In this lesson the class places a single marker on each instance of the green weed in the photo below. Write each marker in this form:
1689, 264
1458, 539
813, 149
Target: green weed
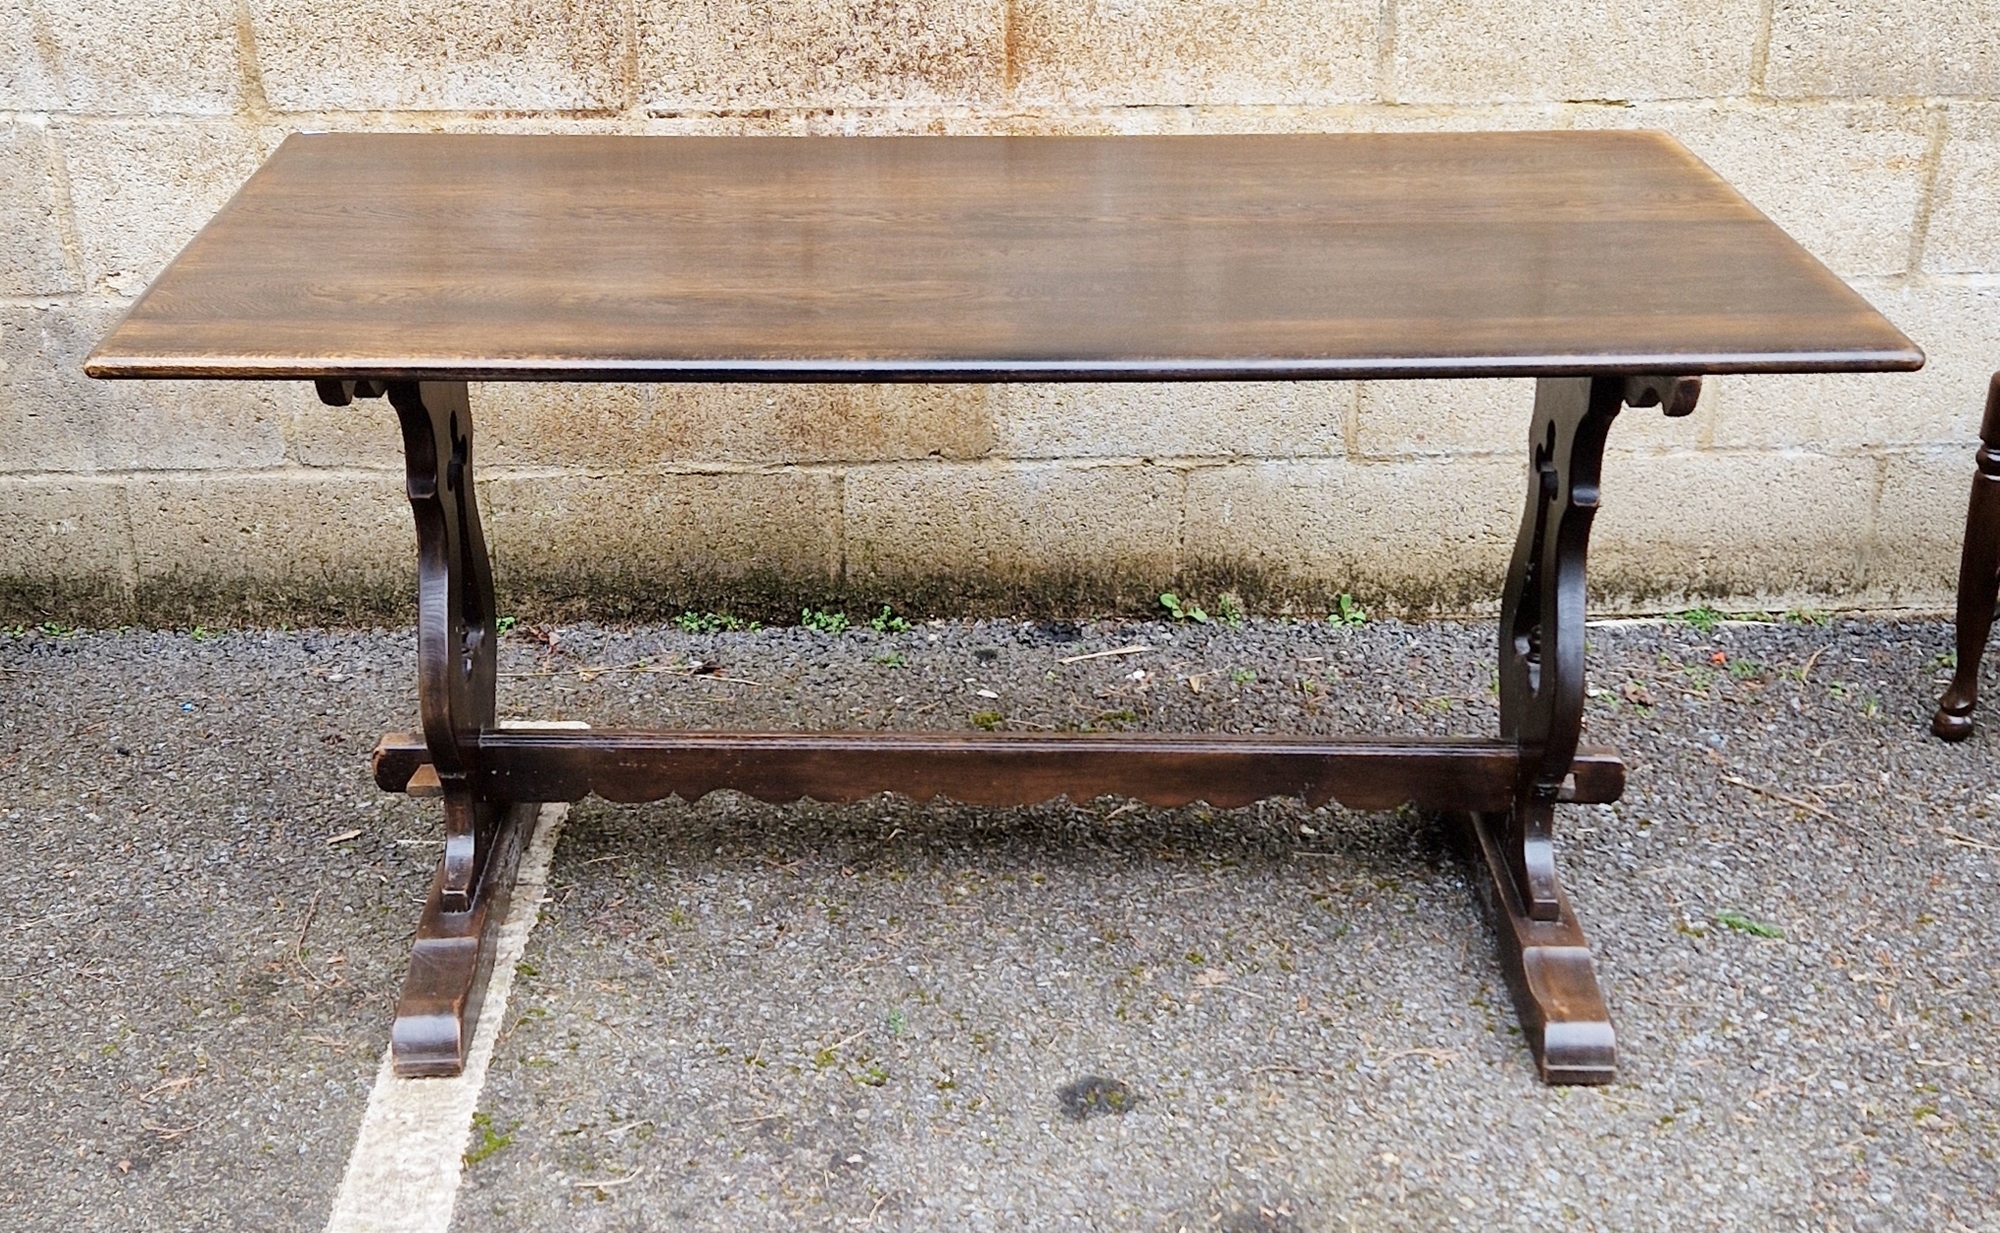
1703, 618
1182, 611
1741, 923
989, 720
824, 622
1229, 609
713, 623
1346, 611
486, 1139
887, 622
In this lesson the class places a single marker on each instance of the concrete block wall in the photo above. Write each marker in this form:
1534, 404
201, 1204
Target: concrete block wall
1870, 129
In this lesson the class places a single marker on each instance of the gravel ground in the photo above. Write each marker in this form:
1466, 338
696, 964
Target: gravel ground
1094, 1016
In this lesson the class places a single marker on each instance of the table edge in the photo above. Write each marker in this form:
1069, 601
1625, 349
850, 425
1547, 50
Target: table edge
977, 371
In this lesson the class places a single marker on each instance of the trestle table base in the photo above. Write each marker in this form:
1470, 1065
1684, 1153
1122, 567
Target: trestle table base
1508, 785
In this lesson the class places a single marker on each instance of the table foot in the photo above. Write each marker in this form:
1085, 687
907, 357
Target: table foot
452, 957
1549, 970
1978, 577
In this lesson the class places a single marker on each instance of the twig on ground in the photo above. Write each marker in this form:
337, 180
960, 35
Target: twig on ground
1306, 1071
1440, 1056
1810, 661
1964, 840
1774, 794
299, 943
608, 1183
1134, 649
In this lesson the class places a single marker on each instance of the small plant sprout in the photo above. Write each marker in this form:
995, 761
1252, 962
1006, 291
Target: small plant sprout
505, 625
1346, 611
486, 1139
1703, 618
887, 622
1182, 611
823, 621
1229, 609
1742, 923
712, 623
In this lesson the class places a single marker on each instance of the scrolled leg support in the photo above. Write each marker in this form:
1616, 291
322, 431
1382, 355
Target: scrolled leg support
1541, 710
453, 952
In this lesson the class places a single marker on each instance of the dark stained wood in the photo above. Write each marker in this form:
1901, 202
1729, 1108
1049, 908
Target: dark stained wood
1612, 266
455, 609
1542, 609
1549, 970
1978, 577
1000, 768
365, 256
452, 957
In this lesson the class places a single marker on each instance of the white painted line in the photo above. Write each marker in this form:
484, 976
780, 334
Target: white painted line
403, 1176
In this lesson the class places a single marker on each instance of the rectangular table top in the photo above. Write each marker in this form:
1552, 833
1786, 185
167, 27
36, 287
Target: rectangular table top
475, 257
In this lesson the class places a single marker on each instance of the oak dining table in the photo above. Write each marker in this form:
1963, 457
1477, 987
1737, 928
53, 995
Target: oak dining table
1613, 267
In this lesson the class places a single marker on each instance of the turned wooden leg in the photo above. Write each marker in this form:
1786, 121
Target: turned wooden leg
1978, 578
1541, 710
483, 839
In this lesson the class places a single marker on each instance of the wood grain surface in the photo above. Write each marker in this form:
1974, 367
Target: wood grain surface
479, 257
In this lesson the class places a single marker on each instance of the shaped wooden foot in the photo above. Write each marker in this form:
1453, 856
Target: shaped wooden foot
1978, 578
453, 957
1548, 968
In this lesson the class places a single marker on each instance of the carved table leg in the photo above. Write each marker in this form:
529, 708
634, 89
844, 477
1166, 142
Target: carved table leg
1541, 709
455, 691
1978, 578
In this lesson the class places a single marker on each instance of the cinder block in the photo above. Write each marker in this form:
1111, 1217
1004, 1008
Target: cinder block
363, 435
64, 547
24, 75
1401, 418
281, 542
1964, 233
635, 426
1920, 527
1465, 51
1158, 52
1758, 528
429, 55
613, 541
32, 261
1053, 532
57, 419
48, 418
820, 53
142, 188
1278, 419
1959, 329
136, 57
1423, 536
1844, 179
1883, 47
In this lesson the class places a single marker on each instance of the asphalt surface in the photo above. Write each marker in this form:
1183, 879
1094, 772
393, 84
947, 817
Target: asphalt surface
908, 1015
